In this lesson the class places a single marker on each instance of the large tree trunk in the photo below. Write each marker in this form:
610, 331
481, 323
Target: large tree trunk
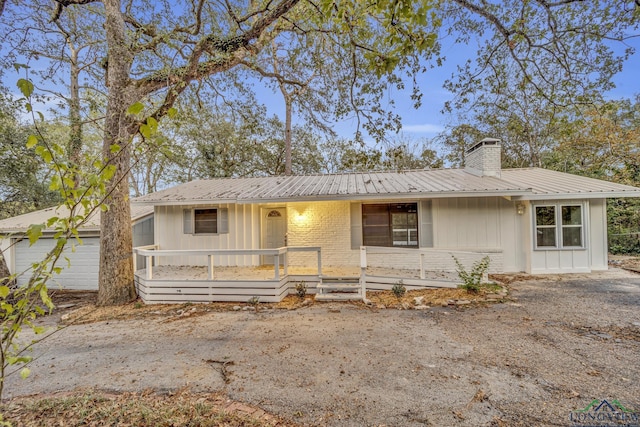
4, 272
116, 263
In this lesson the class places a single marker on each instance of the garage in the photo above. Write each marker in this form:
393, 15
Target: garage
79, 272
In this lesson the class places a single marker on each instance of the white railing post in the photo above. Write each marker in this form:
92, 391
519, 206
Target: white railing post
421, 265
363, 271
135, 261
286, 262
319, 262
276, 266
149, 267
210, 265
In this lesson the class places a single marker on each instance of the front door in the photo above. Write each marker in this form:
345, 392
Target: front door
274, 231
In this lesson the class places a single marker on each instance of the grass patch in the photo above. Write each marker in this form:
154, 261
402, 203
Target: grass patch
135, 409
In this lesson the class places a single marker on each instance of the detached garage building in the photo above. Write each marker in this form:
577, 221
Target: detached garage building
81, 272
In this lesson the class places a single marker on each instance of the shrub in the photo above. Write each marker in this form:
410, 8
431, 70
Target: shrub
399, 290
254, 301
301, 289
472, 281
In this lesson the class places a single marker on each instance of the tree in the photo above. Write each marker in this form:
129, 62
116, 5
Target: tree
156, 61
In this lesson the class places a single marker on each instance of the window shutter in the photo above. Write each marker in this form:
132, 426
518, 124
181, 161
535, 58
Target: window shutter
426, 224
223, 220
356, 225
187, 221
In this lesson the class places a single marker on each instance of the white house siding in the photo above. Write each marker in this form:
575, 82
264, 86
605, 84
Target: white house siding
598, 234
488, 224
244, 233
545, 261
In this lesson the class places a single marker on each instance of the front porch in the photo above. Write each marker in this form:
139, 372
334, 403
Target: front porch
166, 282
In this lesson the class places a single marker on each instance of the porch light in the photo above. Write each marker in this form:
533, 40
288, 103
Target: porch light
300, 217
520, 208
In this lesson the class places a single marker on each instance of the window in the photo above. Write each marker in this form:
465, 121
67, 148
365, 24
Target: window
205, 221
558, 226
390, 225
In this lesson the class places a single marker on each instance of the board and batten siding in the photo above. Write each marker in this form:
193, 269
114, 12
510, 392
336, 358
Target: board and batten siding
243, 227
598, 245
548, 261
488, 224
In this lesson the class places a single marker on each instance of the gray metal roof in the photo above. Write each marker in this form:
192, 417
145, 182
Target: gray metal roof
548, 184
21, 222
517, 183
351, 186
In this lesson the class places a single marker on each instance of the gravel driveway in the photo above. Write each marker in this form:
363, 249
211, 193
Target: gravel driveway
530, 361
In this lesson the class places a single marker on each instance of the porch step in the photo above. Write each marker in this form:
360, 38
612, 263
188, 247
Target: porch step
339, 296
339, 289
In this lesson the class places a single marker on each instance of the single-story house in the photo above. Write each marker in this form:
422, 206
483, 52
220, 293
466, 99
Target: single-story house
81, 272
526, 220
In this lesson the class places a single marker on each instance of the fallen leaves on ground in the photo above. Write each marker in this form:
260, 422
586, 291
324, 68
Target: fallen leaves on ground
146, 409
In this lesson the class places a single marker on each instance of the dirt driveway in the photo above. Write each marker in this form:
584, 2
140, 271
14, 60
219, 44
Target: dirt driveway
530, 361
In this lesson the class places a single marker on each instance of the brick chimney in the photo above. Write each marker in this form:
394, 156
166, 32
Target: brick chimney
483, 159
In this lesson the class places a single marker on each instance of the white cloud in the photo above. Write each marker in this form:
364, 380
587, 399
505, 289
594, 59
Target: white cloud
423, 128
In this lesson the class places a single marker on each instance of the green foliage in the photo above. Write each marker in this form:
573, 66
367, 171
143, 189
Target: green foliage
301, 289
399, 289
624, 226
82, 194
255, 302
472, 280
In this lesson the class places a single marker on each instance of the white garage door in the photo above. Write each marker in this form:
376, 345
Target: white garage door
81, 274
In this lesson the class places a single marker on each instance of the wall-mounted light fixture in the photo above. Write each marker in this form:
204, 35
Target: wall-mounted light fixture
520, 208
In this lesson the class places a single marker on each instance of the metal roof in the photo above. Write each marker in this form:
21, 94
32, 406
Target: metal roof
21, 222
548, 184
532, 183
345, 186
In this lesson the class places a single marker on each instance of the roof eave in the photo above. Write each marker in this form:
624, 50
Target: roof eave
387, 196
575, 196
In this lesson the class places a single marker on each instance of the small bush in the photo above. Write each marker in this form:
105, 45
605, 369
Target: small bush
399, 290
254, 301
301, 289
472, 281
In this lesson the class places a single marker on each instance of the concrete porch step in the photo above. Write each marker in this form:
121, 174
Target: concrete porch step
338, 287
340, 279
347, 296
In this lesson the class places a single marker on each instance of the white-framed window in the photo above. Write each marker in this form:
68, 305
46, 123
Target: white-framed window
205, 220
559, 226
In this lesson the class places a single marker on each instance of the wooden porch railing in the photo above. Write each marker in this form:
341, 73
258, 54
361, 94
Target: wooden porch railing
152, 251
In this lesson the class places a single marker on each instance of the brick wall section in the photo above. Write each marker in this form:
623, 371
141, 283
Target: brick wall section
484, 160
325, 224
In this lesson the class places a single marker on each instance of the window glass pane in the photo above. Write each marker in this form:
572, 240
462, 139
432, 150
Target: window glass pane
546, 237
375, 225
390, 225
545, 215
571, 215
206, 220
571, 236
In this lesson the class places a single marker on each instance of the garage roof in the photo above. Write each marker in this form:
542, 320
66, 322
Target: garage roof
21, 222
530, 183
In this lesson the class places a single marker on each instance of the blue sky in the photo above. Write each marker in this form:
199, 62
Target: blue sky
429, 120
